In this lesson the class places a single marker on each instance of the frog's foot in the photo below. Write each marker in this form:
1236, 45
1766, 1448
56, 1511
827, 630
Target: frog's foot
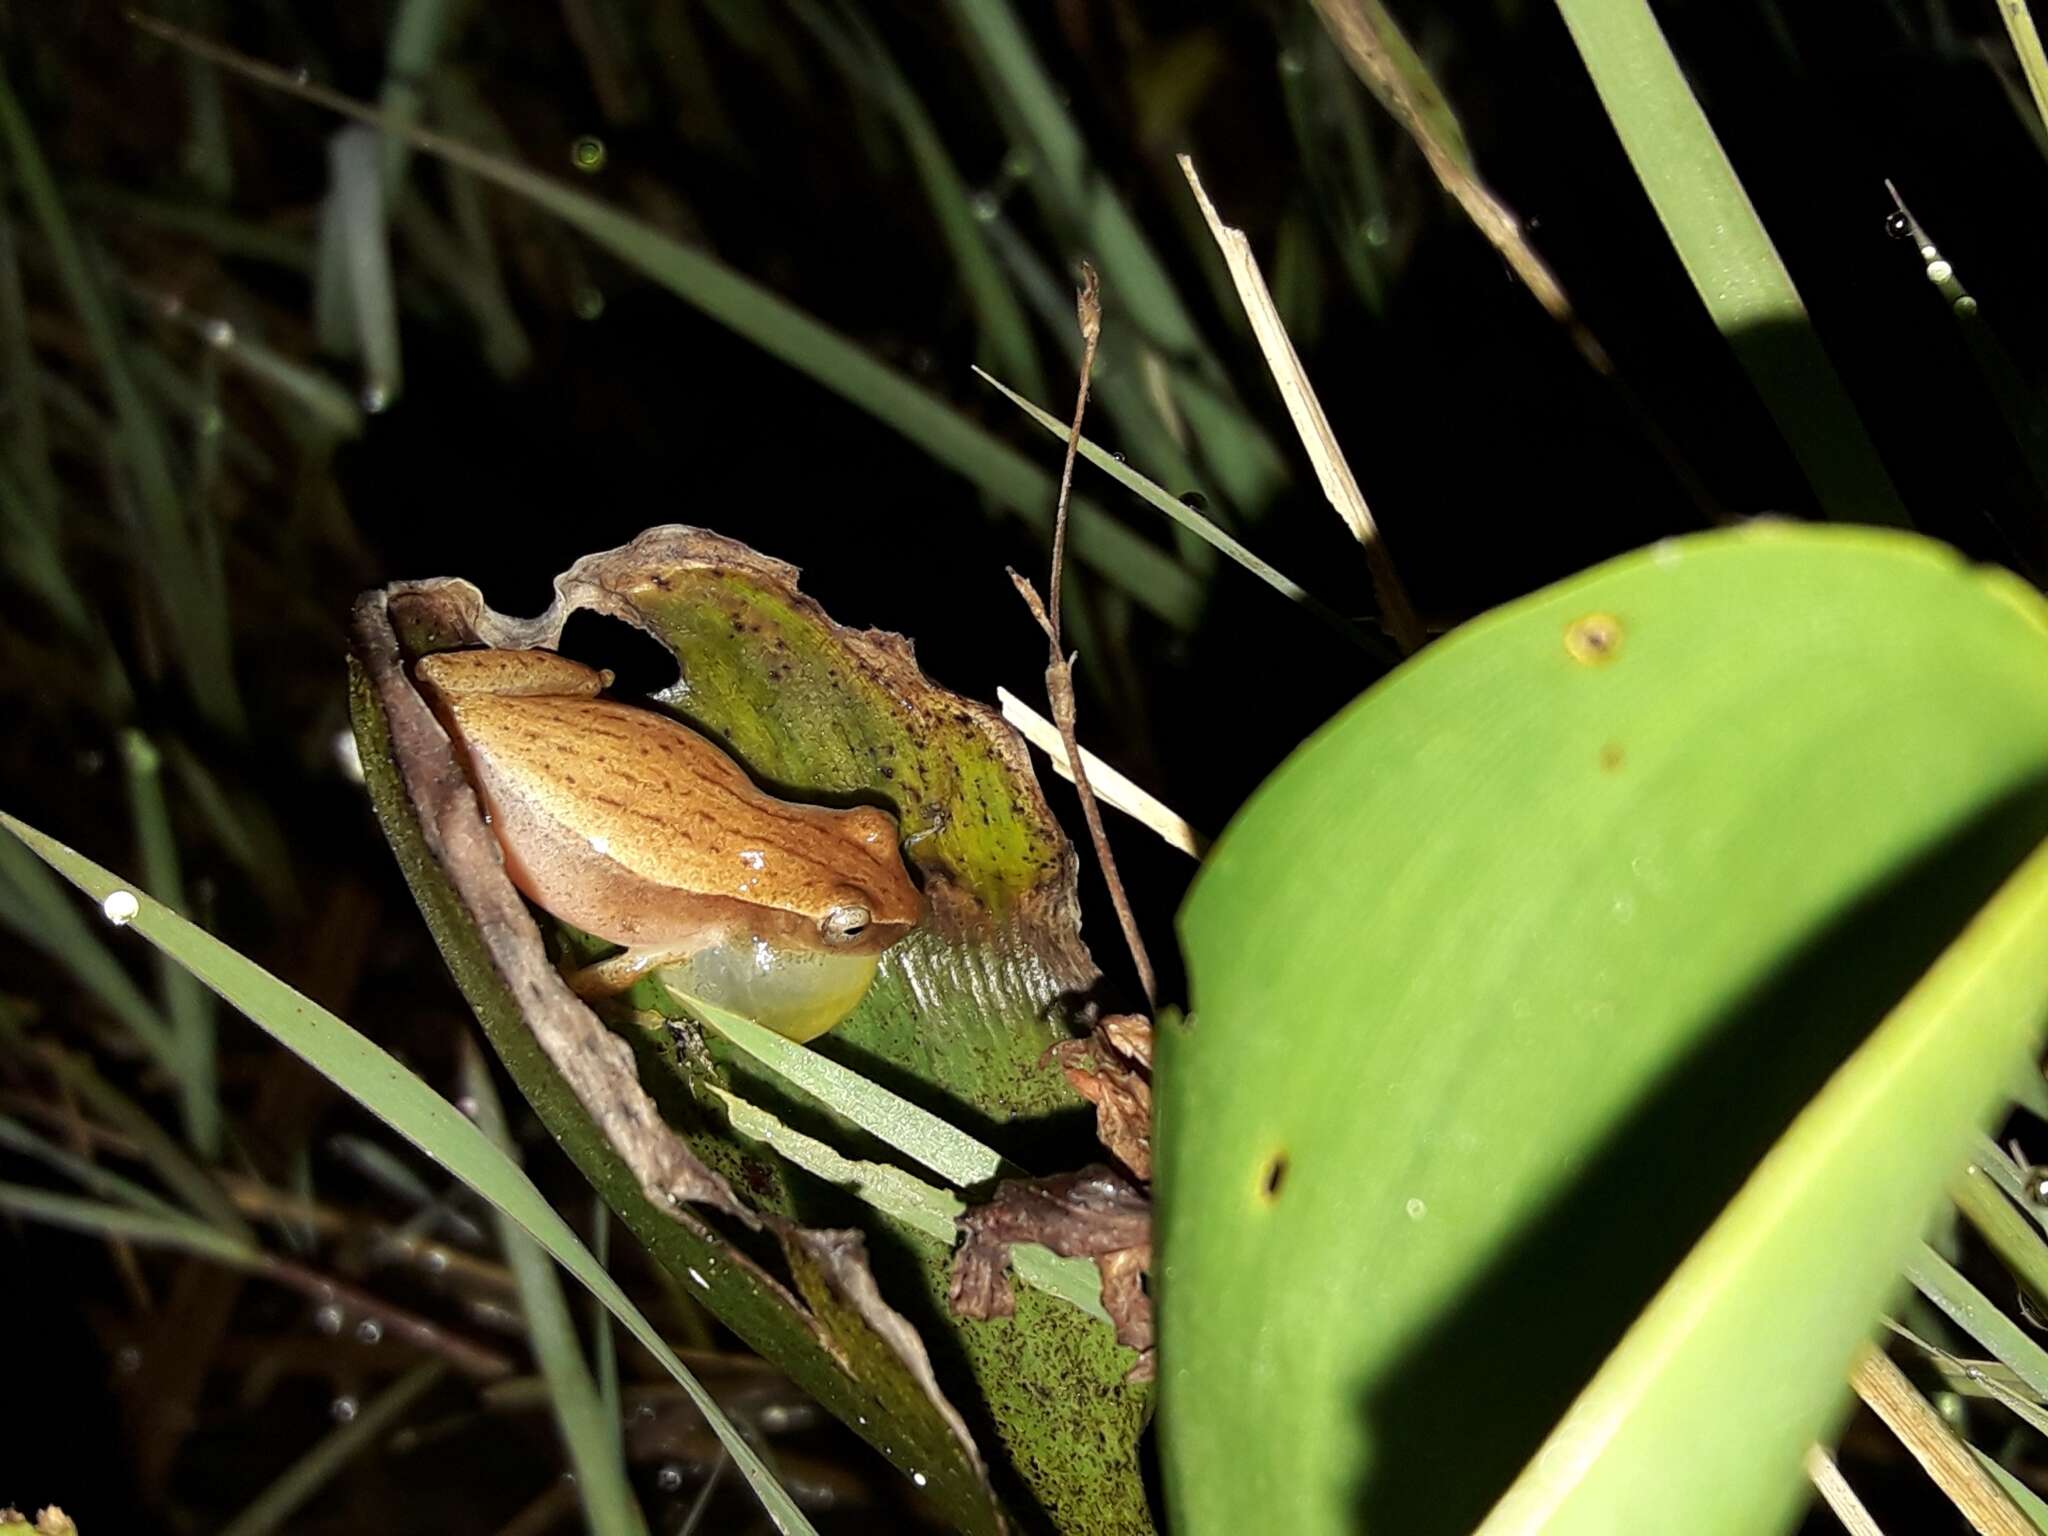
609, 977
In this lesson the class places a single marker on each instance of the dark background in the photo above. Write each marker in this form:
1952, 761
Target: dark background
1494, 459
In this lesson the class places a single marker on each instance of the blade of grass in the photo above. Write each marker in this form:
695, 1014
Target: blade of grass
356, 207
29, 549
1117, 385
1187, 517
923, 1207
465, 262
325, 403
2026, 44
862, 58
1333, 470
2026, 415
330, 406
226, 234
34, 906
591, 1438
1980, 1378
2016, 1241
403, 1101
1975, 1313
1078, 200
1333, 139
185, 1002
103, 1182
604, 1345
207, 158
1990, 1159
195, 616
1066, 177
908, 1199
29, 431
160, 1150
419, 30
779, 328
187, 1234
1729, 255
917, 1133
192, 400
243, 828
313, 1471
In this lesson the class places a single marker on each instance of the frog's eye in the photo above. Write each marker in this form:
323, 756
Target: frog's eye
843, 925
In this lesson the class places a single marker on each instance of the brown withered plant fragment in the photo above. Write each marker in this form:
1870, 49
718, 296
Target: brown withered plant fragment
1092, 1213
1112, 1069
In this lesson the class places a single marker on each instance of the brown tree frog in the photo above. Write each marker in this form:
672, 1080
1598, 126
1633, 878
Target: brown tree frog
639, 831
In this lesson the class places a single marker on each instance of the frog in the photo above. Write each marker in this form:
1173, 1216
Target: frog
629, 825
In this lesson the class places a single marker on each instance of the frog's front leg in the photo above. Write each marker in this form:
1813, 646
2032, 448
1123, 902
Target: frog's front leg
617, 973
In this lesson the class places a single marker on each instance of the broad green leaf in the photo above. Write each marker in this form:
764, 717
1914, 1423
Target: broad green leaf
957, 1024
1507, 982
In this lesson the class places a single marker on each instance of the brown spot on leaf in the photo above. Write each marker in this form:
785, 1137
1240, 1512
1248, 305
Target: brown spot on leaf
1273, 1177
1593, 639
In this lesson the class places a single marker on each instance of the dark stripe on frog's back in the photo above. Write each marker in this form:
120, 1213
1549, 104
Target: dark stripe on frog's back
651, 763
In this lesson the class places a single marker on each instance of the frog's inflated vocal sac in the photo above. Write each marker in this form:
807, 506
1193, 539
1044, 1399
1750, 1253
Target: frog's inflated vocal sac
637, 830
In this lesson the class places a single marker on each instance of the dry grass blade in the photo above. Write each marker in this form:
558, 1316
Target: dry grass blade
1380, 56
2026, 42
1836, 1493
1110, 786
1306, 411
1884, 1387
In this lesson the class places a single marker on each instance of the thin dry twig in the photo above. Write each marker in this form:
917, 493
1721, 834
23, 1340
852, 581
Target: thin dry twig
1884, 1387
1836, 1493
1059, 670
1333, 471
1113, 788
1088, 310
